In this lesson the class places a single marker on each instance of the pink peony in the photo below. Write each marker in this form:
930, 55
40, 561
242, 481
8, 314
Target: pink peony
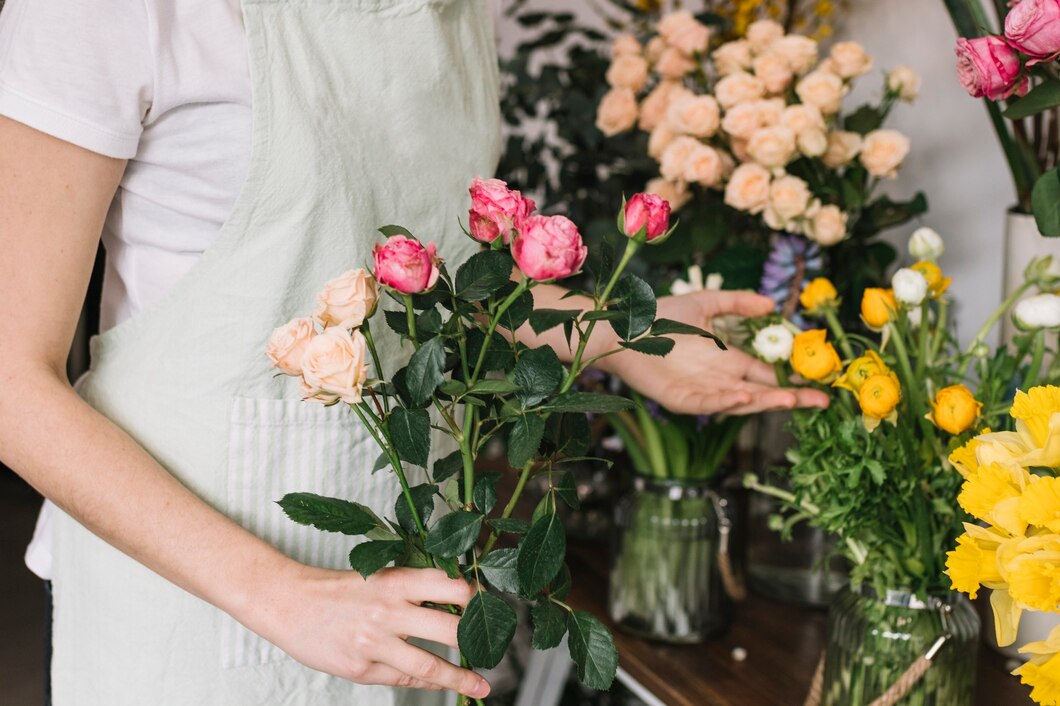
548, 247
987, 66
1033, 27
406, 265
647, 211
496, 210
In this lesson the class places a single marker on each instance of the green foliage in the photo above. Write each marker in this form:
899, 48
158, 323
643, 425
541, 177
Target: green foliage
454, 534
538, 373
635, 300
550, 625
525, 438
486, 629
499, 569
483, 274
1045, 200
423, 498
424, 372
410, 431
541, 553
593, 650
329, 514
370, 557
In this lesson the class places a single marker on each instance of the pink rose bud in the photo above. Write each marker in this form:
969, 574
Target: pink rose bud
496, 210
987, 66
548, 247
1033, 27
647, 211
406, 265
287, 345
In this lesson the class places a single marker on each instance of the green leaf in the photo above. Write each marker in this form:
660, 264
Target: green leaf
519, 311
566, 489
541, 553
499, 356
425, 370
667, 327
454, 534
329, 514
499, 568
567, 434
559, 588
382, 461
484, 492
369, 557
1045, 199
410, 430
550, 625
485, 630
423, 499
1044, 96
397, 321
635, 300
588, 402
650, 346
453, 388
592, 648
884, 213
602, 315
525, 438
448, 466
542, 320
483, 274
396, 230
510, 524
494, 387
538, 373
863, 120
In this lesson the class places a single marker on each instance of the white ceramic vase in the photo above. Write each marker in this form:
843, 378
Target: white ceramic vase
1023, 243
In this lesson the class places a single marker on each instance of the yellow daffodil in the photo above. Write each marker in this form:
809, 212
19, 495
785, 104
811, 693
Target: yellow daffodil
1031, 568
954, 409
860, 370
971, 564
1042, 672
964, 458
819, 295
879, 397
1007, 448
992, 494
1035, 408
878, 307
1007, 614
937, 284
814, 358
1040, 503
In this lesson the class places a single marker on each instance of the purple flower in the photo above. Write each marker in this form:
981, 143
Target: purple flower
793, 261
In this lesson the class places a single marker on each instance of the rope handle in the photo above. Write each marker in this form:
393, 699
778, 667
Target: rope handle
898, 690
734, 585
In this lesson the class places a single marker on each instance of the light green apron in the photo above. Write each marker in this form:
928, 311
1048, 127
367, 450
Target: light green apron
366, 112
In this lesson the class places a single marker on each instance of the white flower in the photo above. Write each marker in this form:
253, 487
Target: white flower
773, 343
910, 287
926, 244
696, 283
1037, 312
915, 316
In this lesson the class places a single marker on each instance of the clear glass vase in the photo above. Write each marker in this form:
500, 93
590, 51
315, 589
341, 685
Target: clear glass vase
665, 578
872, 641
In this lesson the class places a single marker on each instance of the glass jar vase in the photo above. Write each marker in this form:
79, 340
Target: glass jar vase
666, 582
872, 641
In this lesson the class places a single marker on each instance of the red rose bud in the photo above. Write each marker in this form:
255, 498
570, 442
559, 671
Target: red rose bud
406, 265
496, 210
647, 212
548, 247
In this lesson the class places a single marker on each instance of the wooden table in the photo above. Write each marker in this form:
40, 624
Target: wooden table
783, 645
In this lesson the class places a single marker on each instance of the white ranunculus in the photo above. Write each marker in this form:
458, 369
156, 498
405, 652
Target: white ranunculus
1038, 312
926, 244
915, 316
773, 343
910, 287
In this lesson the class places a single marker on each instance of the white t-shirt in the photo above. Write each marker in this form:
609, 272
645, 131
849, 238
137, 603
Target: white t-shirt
162, 83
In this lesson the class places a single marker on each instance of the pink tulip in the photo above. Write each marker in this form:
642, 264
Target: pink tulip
406, 265
1033, 27
548, 247
987, 66
496, 210
647, 211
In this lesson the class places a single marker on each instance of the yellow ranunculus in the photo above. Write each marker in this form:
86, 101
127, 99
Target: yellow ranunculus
1035, 408
937, 284
817, 295
954, 409
972, 563
860, 370
879, 397
1032, 570
814, 358
877, 307
1040, 503
992, 493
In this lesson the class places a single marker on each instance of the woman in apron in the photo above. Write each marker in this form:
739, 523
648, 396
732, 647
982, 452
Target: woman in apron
177, 581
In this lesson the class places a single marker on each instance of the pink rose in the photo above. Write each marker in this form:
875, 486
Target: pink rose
346, 301
987, 66
548, 247
406, 265
647, 211
288, 343
1033, 27
334, 367
496, 210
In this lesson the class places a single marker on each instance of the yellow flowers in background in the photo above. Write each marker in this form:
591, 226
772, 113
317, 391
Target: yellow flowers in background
819, 293
954, 409
877, 307
878, 398
814, 358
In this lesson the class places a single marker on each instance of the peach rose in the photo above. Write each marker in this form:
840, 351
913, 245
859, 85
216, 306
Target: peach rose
842, 148
346, 301
827, 226
883, 151
617, 111
653, 107
699, 116
287, 345
704, 166
748, 188
770, 111
685, 32
813, 142
675, 192
850, 60
772, 147
654, 49
789, 197
773, 70
739, 87
625, 44
904, 82
674, 63
676, 156
743, 120
800, 52
739, 149
801, 117
659, 140
628, 71
763, 34
821, 89
732, 57
334, 367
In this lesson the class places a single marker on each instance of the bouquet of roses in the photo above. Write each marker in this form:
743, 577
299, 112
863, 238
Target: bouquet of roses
471, 380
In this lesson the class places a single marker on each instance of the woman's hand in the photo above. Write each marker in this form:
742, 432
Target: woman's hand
697, 377
355, 628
